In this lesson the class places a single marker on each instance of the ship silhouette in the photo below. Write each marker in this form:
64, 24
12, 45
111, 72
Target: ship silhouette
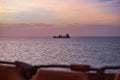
62, 36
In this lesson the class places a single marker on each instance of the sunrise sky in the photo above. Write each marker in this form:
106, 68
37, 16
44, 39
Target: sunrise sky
35, 18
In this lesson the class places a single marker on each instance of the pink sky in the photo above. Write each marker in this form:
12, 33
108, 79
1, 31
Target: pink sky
35, 18
41, 30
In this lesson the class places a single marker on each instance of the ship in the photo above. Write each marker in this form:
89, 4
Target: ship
62, 36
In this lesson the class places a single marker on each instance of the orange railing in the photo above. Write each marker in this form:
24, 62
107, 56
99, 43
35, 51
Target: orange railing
27, 70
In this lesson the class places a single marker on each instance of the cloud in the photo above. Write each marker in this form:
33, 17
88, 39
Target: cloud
33, 15
38, 30
60, 11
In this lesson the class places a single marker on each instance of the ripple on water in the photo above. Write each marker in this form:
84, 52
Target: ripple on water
92, 51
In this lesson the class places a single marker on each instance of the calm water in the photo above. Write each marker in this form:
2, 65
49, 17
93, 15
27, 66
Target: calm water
93, 51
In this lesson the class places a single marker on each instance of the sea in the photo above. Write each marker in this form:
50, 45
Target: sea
93, 51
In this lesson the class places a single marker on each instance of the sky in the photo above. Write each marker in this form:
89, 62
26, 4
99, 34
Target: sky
35, 18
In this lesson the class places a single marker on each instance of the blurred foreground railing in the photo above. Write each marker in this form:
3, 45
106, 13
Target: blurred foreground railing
27, 70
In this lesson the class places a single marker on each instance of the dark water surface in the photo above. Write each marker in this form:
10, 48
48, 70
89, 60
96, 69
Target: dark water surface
95, 51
